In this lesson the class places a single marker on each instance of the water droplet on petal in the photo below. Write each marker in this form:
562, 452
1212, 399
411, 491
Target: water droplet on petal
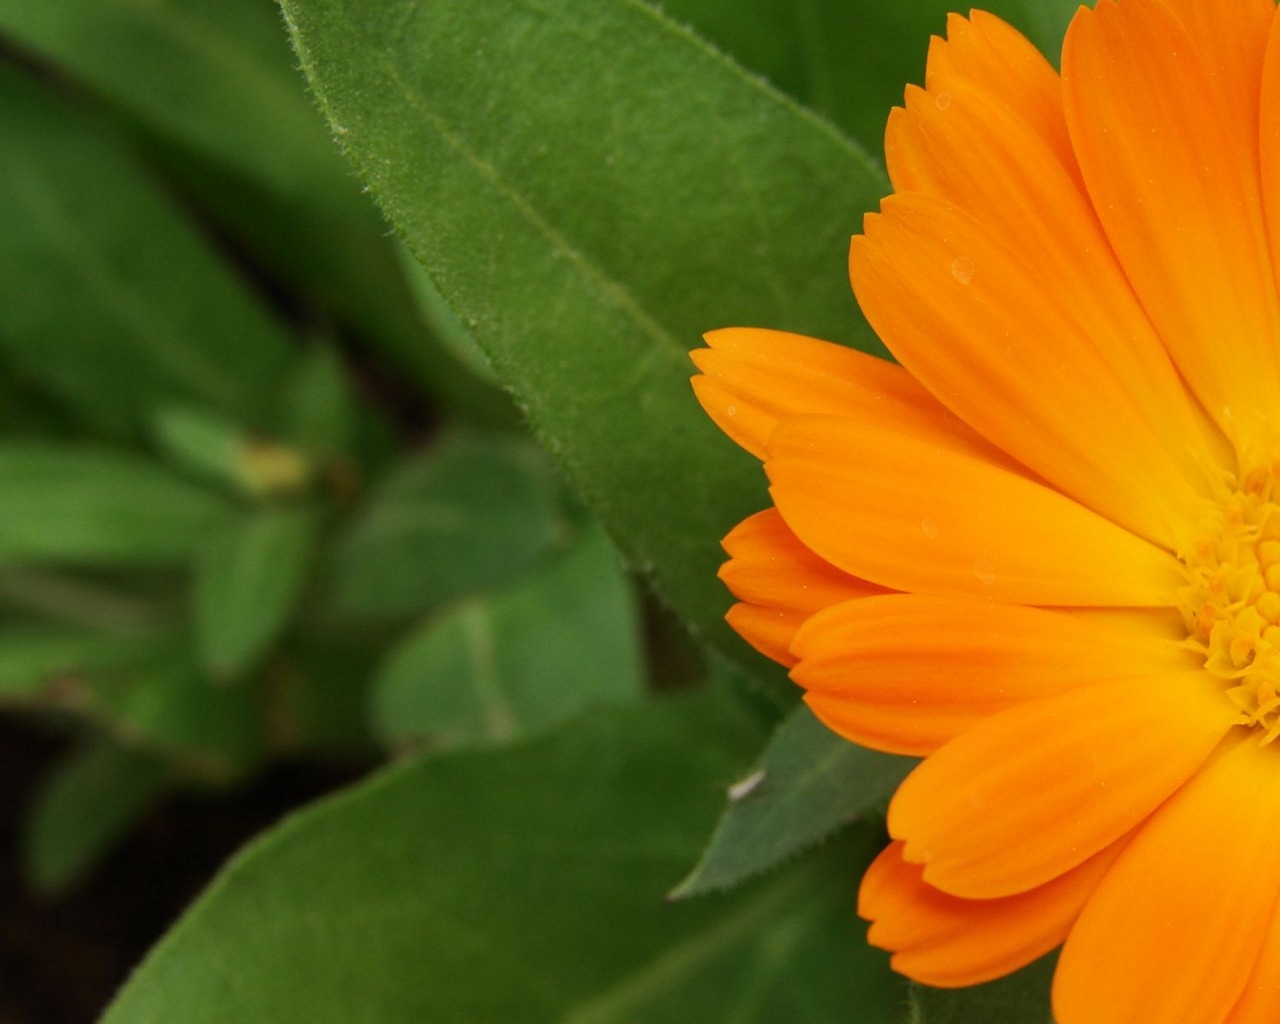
962, 269
930, 528
984, 570
943, 100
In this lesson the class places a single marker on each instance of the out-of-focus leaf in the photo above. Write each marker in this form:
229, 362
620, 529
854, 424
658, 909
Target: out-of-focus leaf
317, 410
809, 783
850, 60
499, 666
215, 81
32, 657
248, 579
87, 803
591, 187
205, 444
112, 302
170, 708
91, 507
474, 511
1021, 998
524, 885
209, 74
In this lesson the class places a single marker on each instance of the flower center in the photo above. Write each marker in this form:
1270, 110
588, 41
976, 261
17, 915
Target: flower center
1231, 601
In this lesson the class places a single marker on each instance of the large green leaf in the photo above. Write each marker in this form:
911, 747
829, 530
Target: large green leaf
112, 302
499, 665
1021, 998
85, 506
809, 783
591, 187
521, 884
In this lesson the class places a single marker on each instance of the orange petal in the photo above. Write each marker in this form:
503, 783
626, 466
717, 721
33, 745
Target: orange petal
1029, 794
1170, 163
769, 630
753, 378
968, 140
950, 942
1173, 931
1269, 120
769, 566
987, 324
906, 673
986, 50
913, 515
1260, 1001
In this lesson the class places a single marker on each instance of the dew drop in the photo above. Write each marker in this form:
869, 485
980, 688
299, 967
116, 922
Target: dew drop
930, 528
978, 801
731, 410
962, 269
943, 100
984, 570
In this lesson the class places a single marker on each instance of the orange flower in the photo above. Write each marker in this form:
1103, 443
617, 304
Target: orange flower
1044, 551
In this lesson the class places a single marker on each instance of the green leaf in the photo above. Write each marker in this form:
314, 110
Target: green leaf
318, 412
248, 580
499, 666
1021, 998
169, 708
32, 657
521, 884
87, 803
809, 783
474, 511
112, 301
93, 507
591, 187
212, 75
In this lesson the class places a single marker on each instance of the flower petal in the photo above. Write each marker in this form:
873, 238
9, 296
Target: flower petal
769, 566
973, 140
1260, 1001
1170, 163
1172, 933
1029, 794
906, 673
987, 51
949, 942
915, 515
769, 630
1269, 121
753, 378
993, 331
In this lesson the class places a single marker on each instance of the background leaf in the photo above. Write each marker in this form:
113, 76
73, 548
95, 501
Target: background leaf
809, 783
469, 513
95, 507
1021, 998
88, 803
582, 266
484, 887
248, 580
500, 665
112, 302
